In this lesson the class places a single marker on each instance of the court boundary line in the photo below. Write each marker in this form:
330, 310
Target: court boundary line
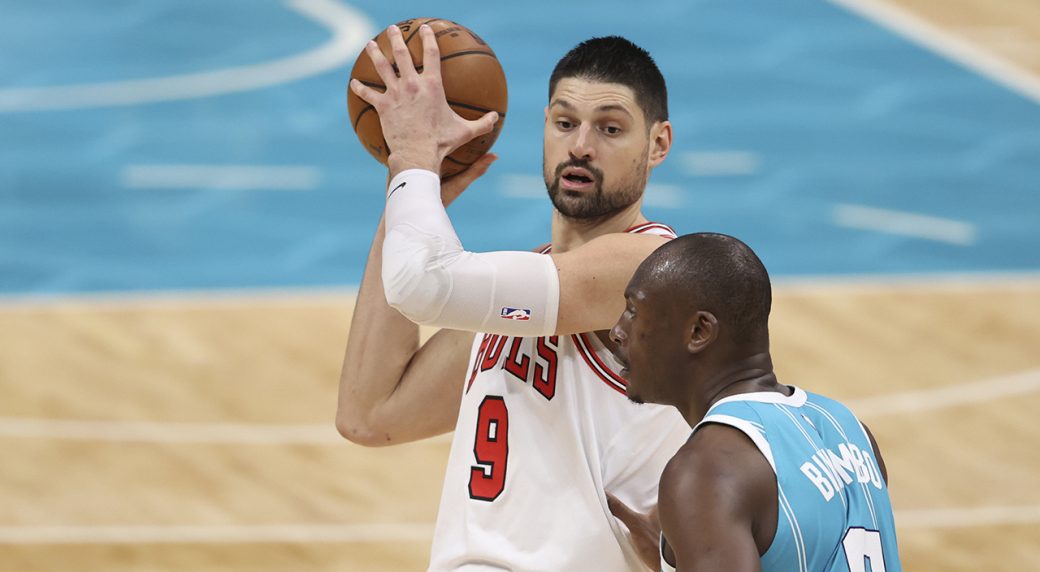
350, 30
904, 223
983, 62
115, 431
216, 177
791, 284
122, 431
374, 532
947, 396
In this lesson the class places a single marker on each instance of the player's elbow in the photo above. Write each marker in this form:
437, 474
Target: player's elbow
415, 281
360, 430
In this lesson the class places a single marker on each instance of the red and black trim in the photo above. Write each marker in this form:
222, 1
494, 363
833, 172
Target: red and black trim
645, 228
581, 341
602, 371
653, 228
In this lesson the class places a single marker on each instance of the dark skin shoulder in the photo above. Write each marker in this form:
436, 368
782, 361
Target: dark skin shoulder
718, 502
877, 453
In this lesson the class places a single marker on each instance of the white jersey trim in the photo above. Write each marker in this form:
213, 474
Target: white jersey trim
748, 428
602, 370
797, 398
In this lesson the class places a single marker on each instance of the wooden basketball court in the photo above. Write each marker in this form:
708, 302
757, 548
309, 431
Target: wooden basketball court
203, 435
197, 434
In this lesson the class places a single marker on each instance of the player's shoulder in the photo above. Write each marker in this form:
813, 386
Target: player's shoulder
654, 233
718, 461
712, 447
832, 408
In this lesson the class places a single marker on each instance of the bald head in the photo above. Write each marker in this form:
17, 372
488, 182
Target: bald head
715, 273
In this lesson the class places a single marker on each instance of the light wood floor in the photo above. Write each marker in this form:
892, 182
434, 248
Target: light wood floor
226, 422
197, 434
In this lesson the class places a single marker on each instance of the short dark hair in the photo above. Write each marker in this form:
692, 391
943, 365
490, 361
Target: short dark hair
614, 59
718, 273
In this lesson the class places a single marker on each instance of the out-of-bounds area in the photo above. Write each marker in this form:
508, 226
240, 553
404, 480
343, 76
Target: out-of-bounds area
185, 214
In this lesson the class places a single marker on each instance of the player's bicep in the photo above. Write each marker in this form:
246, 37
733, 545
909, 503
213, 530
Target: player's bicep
709, 499
877, 452
593, 278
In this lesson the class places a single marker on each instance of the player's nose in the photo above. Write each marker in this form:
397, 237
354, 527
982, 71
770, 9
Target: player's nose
581, 144
617, 334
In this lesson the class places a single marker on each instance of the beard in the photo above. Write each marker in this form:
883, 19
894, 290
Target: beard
600, 203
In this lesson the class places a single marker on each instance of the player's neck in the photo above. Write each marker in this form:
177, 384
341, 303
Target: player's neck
569, 233
752, 374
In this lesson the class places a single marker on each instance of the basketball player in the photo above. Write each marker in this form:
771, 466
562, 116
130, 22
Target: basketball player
543, 430
773, 478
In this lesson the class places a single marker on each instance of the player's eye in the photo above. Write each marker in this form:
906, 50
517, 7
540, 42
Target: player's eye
564, 125
612, 130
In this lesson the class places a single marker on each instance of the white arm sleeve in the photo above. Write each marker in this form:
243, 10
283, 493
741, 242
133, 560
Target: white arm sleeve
431, 280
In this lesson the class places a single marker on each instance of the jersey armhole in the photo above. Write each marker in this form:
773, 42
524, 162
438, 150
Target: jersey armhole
752, 430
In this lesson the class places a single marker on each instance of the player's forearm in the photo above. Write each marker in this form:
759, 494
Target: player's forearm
430, 278
380, 345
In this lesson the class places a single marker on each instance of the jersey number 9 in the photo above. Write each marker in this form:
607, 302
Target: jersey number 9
487, 478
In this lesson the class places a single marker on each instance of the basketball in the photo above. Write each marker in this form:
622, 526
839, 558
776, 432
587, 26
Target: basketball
474, 84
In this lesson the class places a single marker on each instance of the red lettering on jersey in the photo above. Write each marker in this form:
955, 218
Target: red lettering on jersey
476, 362
520, 368
545, 378
487, 478
495, 346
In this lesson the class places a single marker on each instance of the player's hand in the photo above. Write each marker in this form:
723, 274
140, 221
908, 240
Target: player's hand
419, 127
644, 529
453, 186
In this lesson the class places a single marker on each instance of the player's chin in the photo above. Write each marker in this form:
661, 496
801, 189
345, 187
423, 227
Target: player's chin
633, 394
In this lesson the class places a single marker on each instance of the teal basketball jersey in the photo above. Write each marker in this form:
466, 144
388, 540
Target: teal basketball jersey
834, 512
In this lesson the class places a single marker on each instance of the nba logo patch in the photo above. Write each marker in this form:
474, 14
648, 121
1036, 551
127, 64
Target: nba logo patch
520, 314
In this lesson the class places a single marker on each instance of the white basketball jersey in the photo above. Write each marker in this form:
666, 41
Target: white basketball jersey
544, 429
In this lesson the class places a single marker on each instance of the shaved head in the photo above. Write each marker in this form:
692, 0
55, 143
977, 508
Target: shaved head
715, 273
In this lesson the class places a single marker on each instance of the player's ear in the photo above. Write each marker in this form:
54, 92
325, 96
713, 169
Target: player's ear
702, 331
547, 114
660, 142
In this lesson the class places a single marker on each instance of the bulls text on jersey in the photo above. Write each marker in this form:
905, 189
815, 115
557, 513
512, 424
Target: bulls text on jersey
529, 360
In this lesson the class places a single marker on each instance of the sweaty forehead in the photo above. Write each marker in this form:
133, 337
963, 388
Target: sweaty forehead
583, 94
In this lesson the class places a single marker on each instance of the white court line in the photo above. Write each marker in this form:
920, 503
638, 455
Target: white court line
938, 398
217, 534
408, 532
898, 283
663, 196
221, 177
158, 432
519, 186
971, 56
176, 432
947, 396
720, 163
904, 223
967, 517
321, 296
177, 299
350, 30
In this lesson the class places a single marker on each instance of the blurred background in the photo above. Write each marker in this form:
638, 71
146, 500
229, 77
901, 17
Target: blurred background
185, 212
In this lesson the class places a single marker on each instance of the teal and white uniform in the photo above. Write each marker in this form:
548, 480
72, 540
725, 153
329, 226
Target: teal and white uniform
834, 513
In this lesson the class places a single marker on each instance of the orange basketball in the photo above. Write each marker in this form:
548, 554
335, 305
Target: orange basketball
474, 84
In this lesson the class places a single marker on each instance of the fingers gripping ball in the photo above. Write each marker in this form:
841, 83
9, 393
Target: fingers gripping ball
474, 84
